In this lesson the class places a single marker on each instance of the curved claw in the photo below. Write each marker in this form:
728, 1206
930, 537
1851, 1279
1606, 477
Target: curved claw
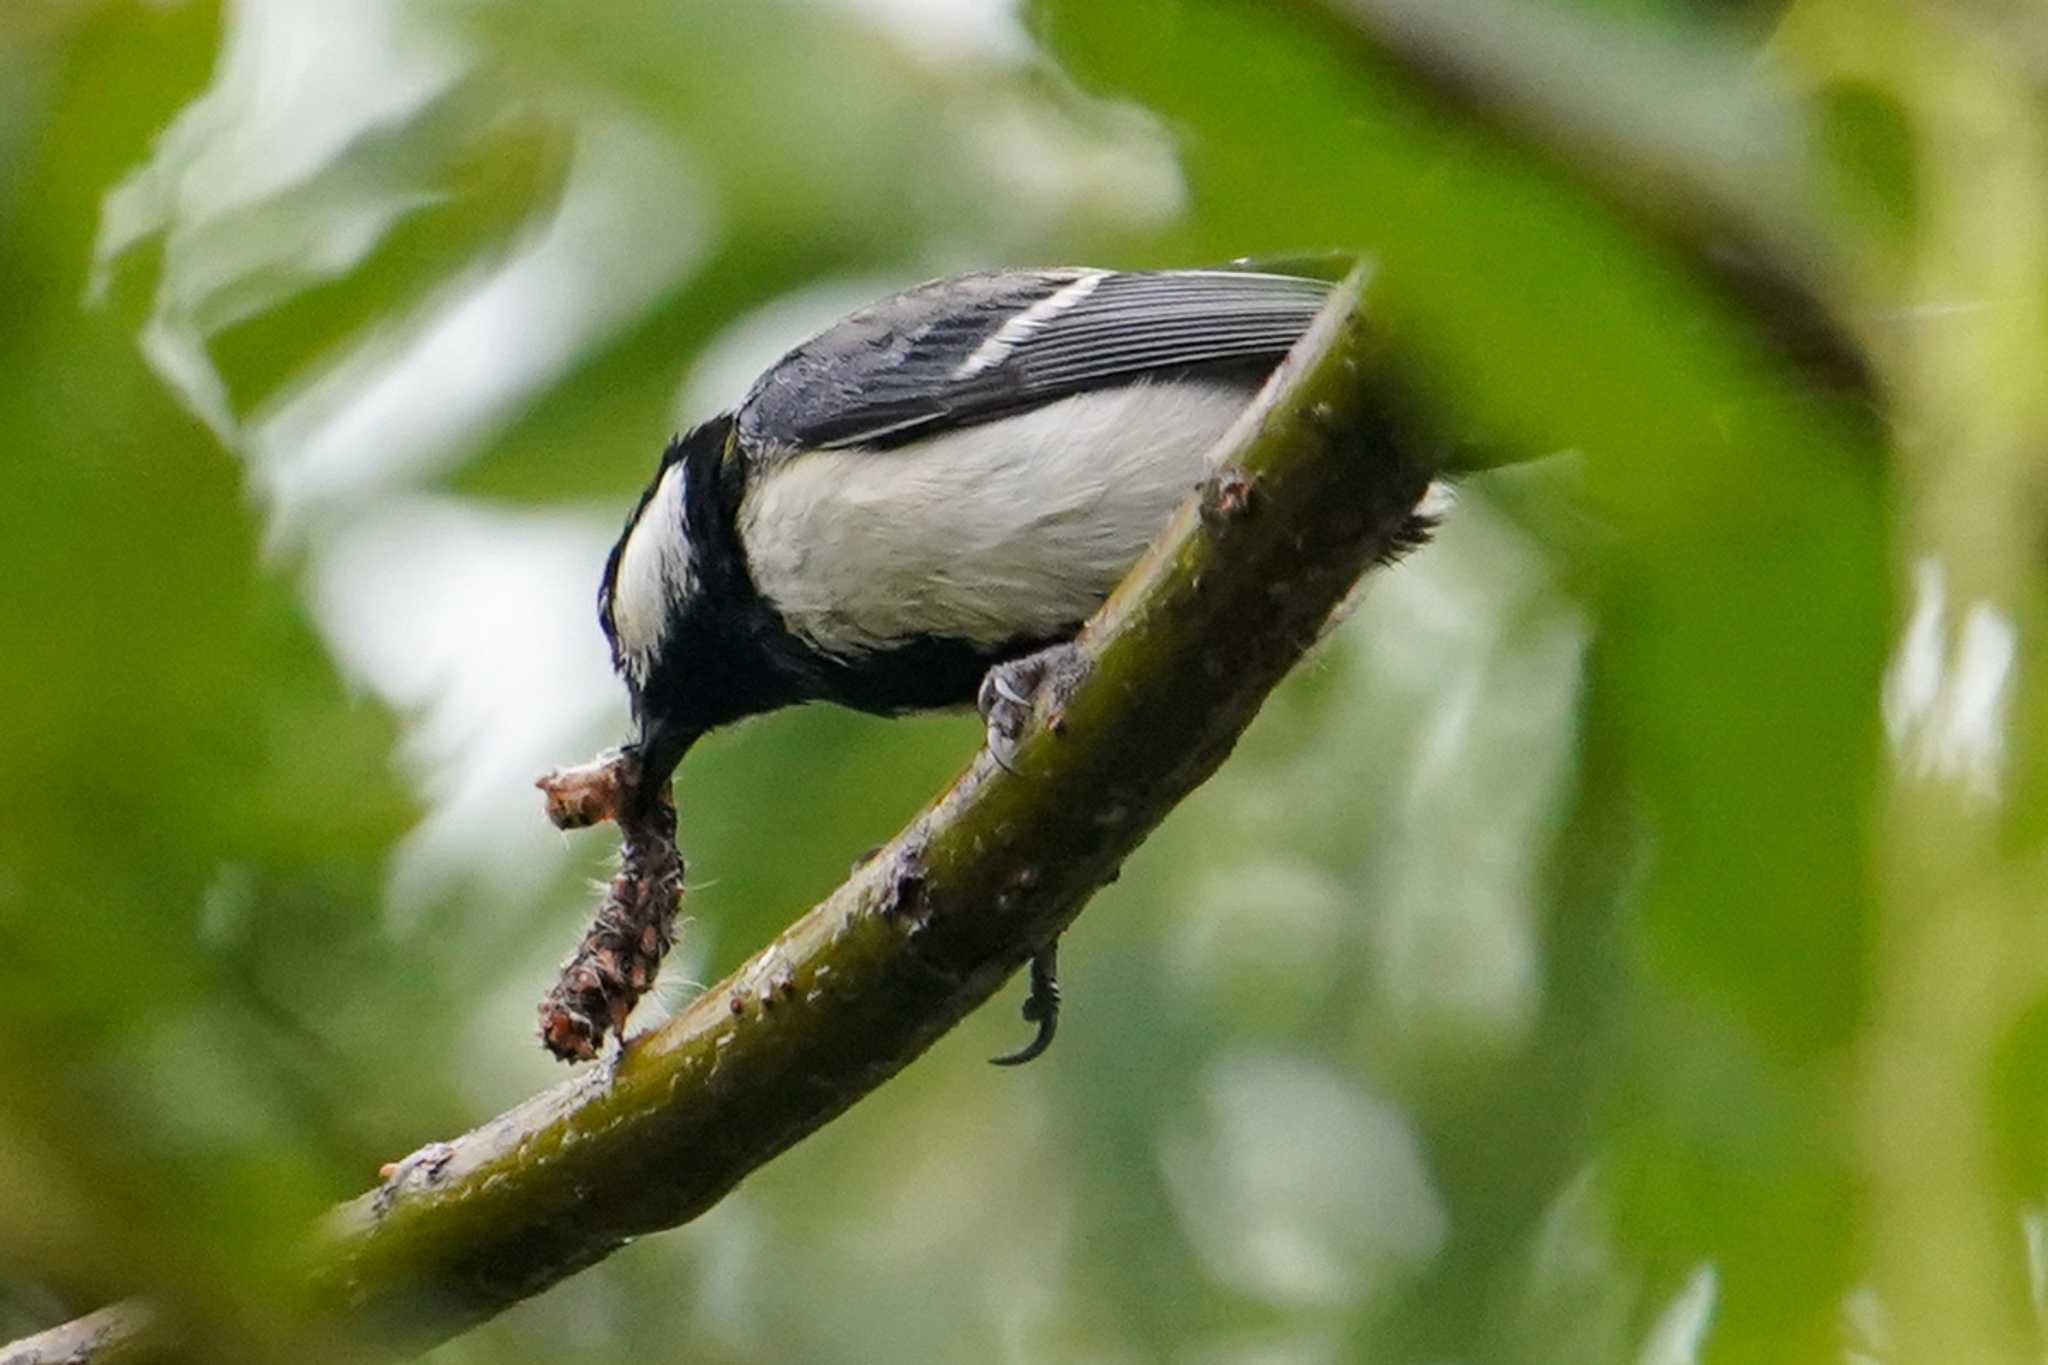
1007, 694
1004, 710
1008, 690
1041, 1006
1037, 1045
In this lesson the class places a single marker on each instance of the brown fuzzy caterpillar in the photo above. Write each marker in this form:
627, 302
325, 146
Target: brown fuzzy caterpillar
635, 924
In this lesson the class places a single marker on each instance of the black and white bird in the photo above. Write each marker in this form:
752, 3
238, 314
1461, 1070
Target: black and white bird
927, 494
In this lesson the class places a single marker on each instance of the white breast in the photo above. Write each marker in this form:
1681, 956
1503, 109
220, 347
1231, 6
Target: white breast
654, 571
1016, 527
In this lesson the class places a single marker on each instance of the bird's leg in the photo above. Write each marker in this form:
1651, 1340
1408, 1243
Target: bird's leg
1011, 689
1041, 1006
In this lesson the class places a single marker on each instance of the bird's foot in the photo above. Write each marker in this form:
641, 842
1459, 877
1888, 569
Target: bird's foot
1011, 690
1041, 1006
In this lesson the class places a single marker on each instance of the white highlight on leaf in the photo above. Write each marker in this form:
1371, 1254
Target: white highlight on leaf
1574, 1297
1675, 1337
1021, 328
474, 623
1299, 1188
1484, 635
2034, 1228
1866, 1328
630, 225
951, 33
1945, 706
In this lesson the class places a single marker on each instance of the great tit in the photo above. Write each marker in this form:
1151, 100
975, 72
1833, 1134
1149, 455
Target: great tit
905, 510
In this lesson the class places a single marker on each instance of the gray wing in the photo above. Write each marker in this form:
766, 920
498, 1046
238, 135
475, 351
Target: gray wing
965, 350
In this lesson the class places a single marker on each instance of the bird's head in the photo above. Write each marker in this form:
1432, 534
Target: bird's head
673, 587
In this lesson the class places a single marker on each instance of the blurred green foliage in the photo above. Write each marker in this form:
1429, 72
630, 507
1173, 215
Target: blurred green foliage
1620, 944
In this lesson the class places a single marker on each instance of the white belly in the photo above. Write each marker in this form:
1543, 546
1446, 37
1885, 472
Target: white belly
1016, 527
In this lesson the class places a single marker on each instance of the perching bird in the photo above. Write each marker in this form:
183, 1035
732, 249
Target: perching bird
907, 508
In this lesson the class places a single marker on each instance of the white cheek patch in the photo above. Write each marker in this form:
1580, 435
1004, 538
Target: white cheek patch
1016, 527
655, 571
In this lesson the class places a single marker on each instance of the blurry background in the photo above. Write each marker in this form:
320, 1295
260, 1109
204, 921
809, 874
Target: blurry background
1622, 943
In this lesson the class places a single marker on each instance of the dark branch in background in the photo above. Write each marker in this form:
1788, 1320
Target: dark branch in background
1682, 139
1318, 481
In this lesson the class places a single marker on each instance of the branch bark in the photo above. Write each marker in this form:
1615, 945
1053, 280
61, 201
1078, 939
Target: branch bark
121, 1334
1317, 482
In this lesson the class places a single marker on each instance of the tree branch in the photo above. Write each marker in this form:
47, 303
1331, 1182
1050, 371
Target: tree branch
1319, 480
119, 1334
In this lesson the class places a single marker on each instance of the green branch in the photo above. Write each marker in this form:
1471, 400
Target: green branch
122, 1334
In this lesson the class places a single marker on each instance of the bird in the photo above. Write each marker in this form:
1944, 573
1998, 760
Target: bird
918, 507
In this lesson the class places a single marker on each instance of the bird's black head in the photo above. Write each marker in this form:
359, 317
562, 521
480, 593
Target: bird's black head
679, 608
